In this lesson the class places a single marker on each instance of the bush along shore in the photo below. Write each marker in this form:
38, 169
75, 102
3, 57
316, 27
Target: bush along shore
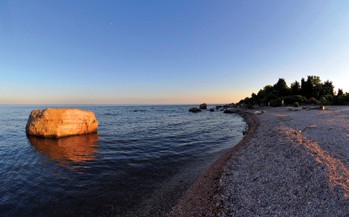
308, 92
311, 91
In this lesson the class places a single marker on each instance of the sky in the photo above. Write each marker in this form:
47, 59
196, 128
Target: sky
166, 52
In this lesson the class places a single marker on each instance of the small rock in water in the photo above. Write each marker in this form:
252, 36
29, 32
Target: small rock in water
194, 109
229, 111
203, 106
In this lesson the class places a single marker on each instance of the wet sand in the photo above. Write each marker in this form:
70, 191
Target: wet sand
290, 163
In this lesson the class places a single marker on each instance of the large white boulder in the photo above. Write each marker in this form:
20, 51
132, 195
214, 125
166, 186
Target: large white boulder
61, 122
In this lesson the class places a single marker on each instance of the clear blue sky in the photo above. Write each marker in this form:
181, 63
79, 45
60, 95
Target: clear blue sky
164, 52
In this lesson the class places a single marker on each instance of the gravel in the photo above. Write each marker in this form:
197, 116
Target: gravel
295, 164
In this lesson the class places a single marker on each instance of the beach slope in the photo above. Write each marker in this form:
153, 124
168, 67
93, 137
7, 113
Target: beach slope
295, 163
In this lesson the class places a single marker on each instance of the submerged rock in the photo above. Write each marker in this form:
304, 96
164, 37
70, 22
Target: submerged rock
194, 109
61, 122
228, 111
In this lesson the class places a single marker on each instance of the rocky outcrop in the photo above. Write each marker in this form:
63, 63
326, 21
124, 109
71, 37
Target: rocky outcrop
203, 106
61, 122
194, 109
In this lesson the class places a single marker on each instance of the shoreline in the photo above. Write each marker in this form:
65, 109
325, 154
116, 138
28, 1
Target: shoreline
200, 199
288, 163
167, 194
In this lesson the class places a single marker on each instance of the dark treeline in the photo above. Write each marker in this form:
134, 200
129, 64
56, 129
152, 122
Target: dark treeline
308, 91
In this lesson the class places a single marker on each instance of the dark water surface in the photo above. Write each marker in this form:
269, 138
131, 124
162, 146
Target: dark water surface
140, 162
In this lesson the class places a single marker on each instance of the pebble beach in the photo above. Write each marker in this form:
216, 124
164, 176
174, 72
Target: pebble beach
290, 163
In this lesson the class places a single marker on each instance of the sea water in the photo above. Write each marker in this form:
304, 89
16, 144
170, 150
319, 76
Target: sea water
141, 160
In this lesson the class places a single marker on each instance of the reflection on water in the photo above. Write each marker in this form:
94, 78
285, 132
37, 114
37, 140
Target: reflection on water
67, 150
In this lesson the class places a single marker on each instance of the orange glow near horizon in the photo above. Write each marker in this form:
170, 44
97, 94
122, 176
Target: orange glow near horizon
209, 98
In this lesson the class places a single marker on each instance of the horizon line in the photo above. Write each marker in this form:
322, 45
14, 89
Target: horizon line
107, 104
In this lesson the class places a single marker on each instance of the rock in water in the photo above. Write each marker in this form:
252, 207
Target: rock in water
229, 111
203, 106
194, 110
61, 122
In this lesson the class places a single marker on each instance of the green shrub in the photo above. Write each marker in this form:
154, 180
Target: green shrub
329, 98
341, 100
296, 104
313, 101
290, 100
323, 101
276, 102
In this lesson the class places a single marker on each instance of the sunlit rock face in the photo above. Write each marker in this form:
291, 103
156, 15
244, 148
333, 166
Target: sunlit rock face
61, 122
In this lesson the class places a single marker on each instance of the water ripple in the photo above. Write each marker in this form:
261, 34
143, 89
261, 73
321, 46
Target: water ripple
135, 150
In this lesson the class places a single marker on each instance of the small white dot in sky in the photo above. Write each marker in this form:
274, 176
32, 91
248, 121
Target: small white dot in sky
111, 24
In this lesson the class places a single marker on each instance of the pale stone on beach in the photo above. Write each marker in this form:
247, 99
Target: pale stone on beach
61, 122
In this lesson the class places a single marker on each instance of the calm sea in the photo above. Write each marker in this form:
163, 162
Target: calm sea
139, 164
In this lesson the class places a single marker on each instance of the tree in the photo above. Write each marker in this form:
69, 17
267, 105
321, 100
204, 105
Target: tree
327, 88
310, 90
295, 88
312, 87
281, 87
316, 84
304, 88
269, 94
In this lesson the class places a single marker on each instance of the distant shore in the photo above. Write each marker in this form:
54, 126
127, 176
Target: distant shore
288, 163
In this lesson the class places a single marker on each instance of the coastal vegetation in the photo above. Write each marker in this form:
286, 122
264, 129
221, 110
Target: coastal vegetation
310, 91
